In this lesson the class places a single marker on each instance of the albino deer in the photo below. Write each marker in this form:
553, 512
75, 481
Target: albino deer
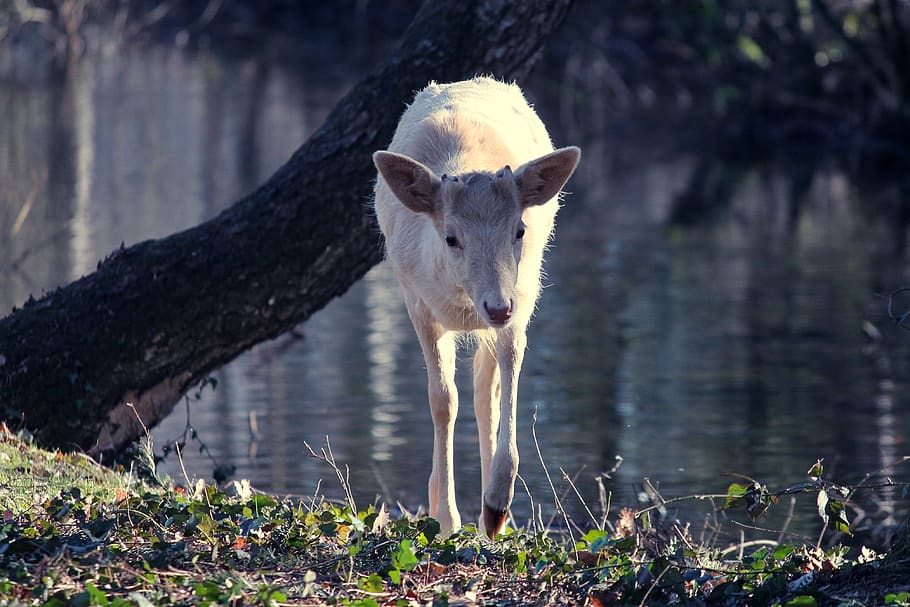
465, 234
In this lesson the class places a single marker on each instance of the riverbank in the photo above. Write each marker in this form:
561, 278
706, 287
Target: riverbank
75, 533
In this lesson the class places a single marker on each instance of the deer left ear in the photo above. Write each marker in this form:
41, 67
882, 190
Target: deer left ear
540, 180
414, 184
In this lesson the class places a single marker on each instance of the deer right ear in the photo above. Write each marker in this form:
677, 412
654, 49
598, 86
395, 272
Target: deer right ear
413, 183
541, 179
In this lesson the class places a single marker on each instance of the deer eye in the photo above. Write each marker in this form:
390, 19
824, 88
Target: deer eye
520, 233
451, 241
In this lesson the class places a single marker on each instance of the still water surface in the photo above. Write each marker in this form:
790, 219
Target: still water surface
735, 343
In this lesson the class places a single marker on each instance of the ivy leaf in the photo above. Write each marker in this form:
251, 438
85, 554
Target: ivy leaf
373, 583
816, 471
758, 500
395, 576
404, 559
802, 601
833, 513
592, 537
782, 552
429, 527
735, 493
755, 495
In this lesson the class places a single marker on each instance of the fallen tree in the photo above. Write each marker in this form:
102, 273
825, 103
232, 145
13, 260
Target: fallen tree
79, 365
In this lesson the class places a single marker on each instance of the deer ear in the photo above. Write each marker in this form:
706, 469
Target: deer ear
541, 179
414, 184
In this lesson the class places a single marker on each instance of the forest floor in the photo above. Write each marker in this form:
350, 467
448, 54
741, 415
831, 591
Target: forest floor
75, 533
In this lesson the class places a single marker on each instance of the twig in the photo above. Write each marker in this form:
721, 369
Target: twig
563, 497
652, 587
900, 320
537, 529
801, 538
581, 499
684, 536
26, 207
664, 502
788, 520
546, 472
186, 477
605, 499
326, 456
377, 474
743, 545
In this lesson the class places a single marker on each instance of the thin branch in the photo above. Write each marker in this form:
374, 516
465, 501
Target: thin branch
705, 496
903, 318
581, 499
546, 472
326, 456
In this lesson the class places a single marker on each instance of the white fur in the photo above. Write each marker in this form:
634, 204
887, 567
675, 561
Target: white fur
473, 163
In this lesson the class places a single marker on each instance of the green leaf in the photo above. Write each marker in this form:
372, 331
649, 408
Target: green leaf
594, 540
837, 517
521, 565
802, 601
816, 471
782, 552
593, 535
208, 590
395, 576
851, 24
429, 527
404, 559
752, 51
625, 545
735, 493
96, 597
263, 501
833, 513
373, 583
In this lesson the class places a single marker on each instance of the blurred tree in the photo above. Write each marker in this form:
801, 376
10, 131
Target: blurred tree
760, 76
80, 364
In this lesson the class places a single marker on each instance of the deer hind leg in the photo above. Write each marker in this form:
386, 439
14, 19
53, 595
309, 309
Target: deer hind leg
486, 409
438, 346
498, 494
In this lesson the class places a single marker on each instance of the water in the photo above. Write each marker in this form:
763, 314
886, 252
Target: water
687, 349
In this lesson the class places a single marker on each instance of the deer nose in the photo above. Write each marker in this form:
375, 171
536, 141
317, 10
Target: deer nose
498, 315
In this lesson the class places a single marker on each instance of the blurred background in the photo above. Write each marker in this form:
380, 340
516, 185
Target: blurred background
717, 295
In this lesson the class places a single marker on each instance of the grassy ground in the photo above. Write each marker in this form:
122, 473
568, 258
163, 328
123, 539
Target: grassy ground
74, 533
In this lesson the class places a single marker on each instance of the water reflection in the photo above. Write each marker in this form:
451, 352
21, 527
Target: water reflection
385, 318
699, 319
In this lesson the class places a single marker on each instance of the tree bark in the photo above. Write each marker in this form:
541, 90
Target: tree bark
156, 318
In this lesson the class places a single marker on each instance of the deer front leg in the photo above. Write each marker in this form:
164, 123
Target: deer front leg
486, 410
438, 348
499, 491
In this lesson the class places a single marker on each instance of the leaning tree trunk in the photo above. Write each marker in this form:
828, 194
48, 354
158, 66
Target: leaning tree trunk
157, 317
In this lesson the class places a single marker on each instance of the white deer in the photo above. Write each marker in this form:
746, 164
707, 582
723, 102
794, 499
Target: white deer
465, 235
